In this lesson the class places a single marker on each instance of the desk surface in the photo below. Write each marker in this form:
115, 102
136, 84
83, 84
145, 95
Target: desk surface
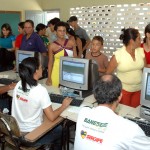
72, 112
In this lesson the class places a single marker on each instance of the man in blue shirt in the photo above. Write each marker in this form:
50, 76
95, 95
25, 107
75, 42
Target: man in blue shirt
31, 41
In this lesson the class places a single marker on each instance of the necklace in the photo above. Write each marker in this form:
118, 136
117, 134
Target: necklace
96, 55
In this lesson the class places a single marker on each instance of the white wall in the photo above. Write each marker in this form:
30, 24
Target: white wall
20, 5
65, 5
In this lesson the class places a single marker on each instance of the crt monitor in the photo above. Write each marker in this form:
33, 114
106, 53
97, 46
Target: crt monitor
145, 95
78, 74
145, 91
74, 73
20, 55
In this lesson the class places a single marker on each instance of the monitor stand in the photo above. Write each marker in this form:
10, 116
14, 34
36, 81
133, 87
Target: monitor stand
145, 112
74, 92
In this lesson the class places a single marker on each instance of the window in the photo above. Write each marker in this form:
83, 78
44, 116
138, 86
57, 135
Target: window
50, 14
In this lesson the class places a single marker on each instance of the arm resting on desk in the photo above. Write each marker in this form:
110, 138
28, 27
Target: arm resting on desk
45, 127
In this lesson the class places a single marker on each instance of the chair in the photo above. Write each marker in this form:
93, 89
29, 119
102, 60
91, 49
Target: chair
21, 141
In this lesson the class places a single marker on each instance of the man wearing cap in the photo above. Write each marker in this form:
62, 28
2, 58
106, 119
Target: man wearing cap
73, 21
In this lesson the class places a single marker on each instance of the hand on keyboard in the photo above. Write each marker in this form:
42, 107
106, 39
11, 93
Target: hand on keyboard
66, 102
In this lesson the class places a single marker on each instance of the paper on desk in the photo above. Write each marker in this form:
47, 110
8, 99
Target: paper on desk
75, 109
3, 76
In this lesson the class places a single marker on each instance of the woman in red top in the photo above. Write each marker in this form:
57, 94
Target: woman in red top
19, 37
146, 44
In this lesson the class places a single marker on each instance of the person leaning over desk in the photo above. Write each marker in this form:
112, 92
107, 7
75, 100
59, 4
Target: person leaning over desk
129, 62
100, 128
6, 88
31, 101
4, 102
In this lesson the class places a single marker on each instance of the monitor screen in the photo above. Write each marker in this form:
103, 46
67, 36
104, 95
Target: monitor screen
20, 55
145, 91
74, 73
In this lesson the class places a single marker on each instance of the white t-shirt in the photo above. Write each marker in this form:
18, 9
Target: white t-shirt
27, 107
101, 129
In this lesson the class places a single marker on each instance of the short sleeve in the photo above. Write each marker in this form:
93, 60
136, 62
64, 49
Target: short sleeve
117, 55
86, 37
40, 45
45, 102
142, 52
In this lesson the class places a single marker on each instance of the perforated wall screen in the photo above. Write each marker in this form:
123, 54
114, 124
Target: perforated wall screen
108, 20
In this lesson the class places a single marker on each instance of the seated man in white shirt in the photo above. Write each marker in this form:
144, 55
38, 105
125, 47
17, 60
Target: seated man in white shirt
101, 128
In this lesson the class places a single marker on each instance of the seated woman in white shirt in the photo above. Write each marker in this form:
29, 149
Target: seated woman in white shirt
31, 100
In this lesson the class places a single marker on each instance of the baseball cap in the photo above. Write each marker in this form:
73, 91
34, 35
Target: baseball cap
72, 18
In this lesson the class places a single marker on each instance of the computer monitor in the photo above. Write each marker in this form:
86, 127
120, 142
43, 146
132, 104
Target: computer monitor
20, 55
145, 94
78, 74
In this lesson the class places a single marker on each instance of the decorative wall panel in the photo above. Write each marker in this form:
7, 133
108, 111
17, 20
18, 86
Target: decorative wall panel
108, 20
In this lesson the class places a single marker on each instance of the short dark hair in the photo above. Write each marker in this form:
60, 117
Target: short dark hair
72, 18
30, 21
40, 26
21, 24
128, 34
27, 68
98, 38
54, 21
59, 24
107, 89
71, 32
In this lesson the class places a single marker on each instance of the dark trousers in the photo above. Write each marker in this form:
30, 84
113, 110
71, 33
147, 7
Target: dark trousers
6, 59
5, 102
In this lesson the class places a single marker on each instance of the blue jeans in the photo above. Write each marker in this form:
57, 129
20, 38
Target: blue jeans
53, 136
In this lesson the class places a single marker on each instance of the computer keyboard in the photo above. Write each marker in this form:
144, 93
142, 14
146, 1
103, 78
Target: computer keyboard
7, 81
144, 124
57, 98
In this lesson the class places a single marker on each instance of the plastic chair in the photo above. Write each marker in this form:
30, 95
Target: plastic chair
10, 132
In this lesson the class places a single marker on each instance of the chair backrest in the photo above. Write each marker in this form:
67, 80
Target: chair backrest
8, 124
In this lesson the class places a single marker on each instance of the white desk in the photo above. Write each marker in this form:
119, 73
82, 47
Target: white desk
71, 112
9, 74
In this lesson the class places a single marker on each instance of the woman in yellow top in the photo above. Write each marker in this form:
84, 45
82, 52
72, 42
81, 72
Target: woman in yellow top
60, 47
129, 62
